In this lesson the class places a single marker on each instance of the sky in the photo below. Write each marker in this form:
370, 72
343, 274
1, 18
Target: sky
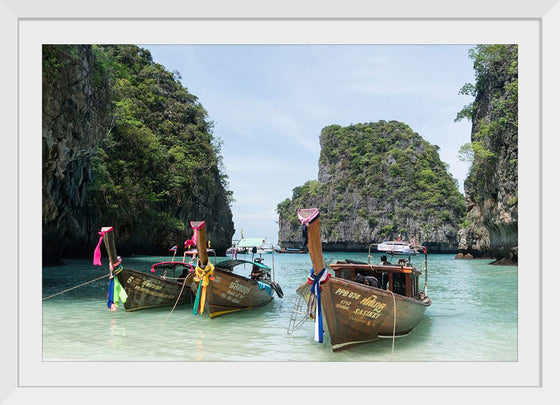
269, 103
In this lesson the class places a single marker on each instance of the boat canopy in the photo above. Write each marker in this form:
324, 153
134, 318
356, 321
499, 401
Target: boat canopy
230, 264
397, 248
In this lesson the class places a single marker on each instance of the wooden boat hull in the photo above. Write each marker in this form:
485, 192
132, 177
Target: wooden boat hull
356, 313
229, 292
147, 291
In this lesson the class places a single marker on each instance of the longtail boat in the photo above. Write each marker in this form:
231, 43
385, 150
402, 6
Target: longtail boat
362, 302
220, 291
145, 290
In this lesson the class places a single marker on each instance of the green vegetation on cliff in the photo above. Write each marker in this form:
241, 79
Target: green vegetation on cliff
493, 113
491, 188
382, 180
157, 165
388, 160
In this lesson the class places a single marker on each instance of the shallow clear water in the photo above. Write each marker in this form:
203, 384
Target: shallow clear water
473, 317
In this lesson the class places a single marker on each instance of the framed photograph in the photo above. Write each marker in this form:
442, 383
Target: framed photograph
271, 35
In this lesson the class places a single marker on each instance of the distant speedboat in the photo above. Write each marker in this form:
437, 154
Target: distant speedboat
397, 247
255, 246
234, 250
266, 248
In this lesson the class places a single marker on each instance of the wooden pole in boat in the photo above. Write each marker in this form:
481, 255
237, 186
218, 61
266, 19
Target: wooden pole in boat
313, 238
109, 242
201, 241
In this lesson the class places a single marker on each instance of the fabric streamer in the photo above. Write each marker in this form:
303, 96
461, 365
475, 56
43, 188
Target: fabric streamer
119, 293
110, 293
192, 242
116, 291
197, 300
264, 286
203, 276
316, 280
310, 218
305, 221
97, 251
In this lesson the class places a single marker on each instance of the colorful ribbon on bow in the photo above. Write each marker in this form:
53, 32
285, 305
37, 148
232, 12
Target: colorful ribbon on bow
97, 251
316, 280
116, 292
192, 242
203, 276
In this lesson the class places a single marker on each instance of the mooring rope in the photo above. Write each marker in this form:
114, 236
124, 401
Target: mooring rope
394, 323
81, 285
178, 298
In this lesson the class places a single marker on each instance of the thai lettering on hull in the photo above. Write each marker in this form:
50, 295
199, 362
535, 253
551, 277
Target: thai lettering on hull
149, 288
235, 293
359, 308
347, 294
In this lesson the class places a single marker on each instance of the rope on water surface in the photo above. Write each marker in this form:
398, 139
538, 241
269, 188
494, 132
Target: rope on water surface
81, 285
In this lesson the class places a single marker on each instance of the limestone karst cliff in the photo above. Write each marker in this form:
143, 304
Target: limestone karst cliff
126, 145
490, 228
76, 100
377, 180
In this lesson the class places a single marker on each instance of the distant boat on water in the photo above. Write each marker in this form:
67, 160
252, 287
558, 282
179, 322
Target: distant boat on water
254, 246
397, 247
291, 250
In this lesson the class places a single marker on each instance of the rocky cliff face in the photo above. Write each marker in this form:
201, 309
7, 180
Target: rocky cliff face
125, 145
75, 119
492, 184
376, 181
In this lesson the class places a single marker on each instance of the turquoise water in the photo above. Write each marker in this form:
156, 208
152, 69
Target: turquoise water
473, 317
